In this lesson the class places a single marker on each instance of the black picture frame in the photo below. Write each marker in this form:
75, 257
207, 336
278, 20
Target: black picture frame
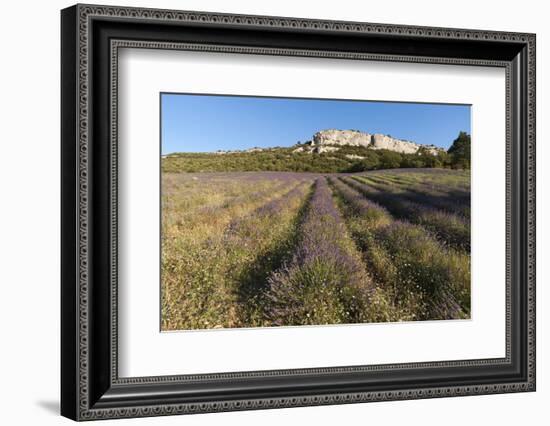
90, 386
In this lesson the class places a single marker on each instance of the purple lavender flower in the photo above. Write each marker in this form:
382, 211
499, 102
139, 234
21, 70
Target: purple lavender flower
323, 282
450, 228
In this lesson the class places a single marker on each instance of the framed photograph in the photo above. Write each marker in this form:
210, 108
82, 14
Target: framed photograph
263, 212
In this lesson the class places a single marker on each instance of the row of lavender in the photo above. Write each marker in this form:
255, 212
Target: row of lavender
358, 263
364, 262
216, 254
325, 282
443, 216
417, 262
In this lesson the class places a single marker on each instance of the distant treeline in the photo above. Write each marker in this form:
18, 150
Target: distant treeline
341, 161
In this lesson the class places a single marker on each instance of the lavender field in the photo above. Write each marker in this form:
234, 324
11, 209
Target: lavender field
262, 249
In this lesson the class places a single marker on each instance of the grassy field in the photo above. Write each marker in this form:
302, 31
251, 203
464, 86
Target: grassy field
259, 249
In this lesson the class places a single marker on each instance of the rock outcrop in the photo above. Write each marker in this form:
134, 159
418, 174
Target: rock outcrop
334, 138
354, 157
342, 137
325, 148
387, 142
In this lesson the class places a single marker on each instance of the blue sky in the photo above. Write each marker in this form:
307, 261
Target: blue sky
206, 123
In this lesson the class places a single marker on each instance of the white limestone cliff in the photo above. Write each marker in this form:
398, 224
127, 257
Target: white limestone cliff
342, 137
334, 137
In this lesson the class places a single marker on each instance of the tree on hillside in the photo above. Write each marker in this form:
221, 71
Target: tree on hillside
370, 161
444, 158
427, 159
460, 151
389, 159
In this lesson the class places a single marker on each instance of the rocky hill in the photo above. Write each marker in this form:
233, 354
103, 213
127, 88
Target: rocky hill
329, 151
332, 140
